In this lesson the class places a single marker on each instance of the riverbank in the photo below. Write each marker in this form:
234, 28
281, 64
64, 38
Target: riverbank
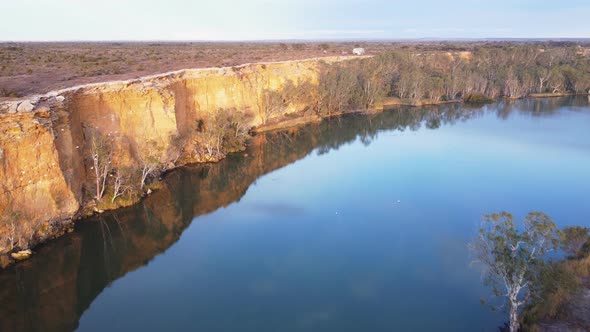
564, 302
285, 122
47, 142
67, 225
85, 149
175, 229
71, 271
557, 94
56, 101
60, 227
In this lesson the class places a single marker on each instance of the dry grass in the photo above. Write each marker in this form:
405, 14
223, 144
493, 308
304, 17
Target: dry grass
29, 68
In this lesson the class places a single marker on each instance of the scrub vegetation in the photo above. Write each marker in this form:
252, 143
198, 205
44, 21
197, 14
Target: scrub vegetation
560, 282
477, 76
531, 287
30, 68
209, 139
411, 74
417, 78
397, 73
425, 69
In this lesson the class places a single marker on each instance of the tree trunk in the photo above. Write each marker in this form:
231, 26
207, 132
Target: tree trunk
97, 187
513, 320
514, 324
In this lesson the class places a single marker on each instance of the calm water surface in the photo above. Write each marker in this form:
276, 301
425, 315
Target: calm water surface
356, 224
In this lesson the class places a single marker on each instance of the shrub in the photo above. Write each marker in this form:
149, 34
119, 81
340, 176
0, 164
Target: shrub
9, 93
299, 46
476, 98
584, 250
574, 238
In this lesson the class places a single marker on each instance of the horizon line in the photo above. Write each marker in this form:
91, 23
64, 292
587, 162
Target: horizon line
300, 40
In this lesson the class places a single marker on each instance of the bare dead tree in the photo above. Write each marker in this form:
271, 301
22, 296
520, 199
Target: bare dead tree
101, 154
543, 75
175, 149
257, 85
12, 235
120, 186
149, 157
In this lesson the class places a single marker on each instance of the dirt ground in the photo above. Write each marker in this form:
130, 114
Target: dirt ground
31, 68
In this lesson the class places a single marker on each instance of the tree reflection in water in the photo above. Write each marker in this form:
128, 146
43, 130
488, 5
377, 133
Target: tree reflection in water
52, 290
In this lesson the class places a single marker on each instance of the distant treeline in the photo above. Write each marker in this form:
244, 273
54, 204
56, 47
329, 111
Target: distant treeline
512, 71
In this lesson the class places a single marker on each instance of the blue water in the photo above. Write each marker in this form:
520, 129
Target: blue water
366, 231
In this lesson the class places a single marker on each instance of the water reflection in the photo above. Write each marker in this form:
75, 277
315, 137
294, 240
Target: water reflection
539, 107
53, 289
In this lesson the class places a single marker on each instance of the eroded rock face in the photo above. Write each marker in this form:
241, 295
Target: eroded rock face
57, 284
45, 173
54, 287
32, 190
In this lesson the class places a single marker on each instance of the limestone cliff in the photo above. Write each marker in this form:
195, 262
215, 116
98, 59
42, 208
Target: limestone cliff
45, 165
52, 290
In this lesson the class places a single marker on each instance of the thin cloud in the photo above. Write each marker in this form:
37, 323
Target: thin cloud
296, 19
344, 32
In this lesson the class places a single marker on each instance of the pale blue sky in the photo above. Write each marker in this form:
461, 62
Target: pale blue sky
291, 19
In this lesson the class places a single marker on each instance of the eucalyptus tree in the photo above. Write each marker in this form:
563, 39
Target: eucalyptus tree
513, 258
149, 155
574, 239
101, 155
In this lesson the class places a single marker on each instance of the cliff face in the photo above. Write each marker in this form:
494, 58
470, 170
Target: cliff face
46, 172
32, 185
52, 290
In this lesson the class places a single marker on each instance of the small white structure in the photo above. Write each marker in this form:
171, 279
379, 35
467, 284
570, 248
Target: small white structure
358, 51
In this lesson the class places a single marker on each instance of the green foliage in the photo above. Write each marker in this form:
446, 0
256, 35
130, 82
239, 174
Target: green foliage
513, 258
574, 238
555, 284
585, 250
517, 268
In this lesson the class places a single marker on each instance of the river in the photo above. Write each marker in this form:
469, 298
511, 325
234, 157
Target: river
359, 223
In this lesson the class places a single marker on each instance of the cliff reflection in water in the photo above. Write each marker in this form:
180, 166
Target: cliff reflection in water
51, 291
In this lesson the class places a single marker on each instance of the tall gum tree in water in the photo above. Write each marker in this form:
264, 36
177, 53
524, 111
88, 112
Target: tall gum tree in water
513, 258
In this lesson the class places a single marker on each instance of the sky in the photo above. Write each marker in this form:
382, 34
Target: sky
58, 20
